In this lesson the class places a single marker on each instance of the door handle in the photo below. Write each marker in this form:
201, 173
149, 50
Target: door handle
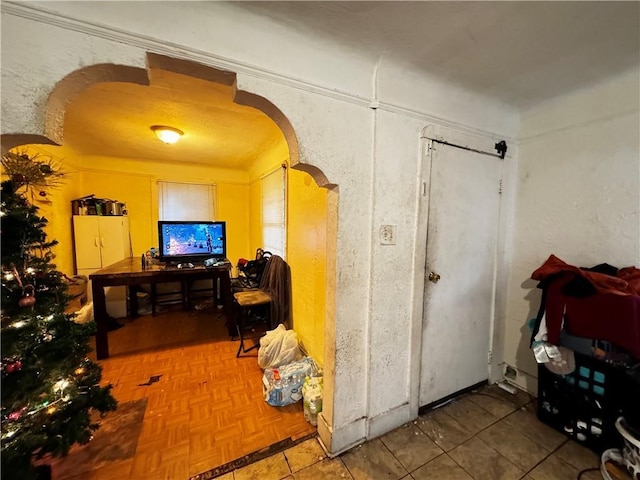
434, 277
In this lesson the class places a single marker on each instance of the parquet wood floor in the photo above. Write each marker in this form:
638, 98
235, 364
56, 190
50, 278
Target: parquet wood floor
206, 409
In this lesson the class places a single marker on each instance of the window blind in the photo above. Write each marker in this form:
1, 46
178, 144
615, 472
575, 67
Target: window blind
273, 212
186, 201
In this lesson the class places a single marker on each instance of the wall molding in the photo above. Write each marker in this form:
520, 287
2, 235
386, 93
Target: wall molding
170, 49
154, 45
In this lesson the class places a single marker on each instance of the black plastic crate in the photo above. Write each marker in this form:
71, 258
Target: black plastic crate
585, 403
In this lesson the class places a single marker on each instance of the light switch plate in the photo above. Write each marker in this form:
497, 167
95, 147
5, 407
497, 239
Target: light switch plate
387, 234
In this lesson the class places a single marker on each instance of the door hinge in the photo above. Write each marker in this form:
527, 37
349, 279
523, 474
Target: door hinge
424, 189
489, 357
500, 187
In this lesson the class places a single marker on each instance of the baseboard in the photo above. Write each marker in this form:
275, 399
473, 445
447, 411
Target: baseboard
338, 440
387, 421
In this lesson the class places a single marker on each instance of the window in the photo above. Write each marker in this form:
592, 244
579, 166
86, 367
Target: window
273, 212
186, 201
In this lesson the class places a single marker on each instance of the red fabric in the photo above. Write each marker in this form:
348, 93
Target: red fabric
626, 284
611, 314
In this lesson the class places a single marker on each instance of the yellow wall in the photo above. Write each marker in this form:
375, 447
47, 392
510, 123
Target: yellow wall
136, 192
255, 218
307, 257
55, 207
233, 207
135, 183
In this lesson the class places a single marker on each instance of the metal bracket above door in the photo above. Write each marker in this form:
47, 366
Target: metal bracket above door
501, 148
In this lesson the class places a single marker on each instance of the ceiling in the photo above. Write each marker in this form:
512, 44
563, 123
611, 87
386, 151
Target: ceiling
519, 53
114, 120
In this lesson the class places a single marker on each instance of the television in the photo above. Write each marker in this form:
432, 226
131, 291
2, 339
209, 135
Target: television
191, 241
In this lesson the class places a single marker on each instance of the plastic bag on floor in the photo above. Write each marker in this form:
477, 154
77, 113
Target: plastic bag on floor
278, 347
283, 385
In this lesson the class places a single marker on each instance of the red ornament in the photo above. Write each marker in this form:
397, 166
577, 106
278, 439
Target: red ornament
28, 297
18, 178
13, 367
15, 415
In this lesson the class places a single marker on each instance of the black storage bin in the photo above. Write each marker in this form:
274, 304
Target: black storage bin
586, 403
631, 401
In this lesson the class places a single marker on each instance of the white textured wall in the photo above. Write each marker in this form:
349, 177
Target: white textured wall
373, 157
578, 196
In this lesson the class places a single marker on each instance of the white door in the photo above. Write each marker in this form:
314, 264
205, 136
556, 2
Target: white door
461, 248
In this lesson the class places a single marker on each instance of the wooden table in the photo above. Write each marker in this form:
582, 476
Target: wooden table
129, 272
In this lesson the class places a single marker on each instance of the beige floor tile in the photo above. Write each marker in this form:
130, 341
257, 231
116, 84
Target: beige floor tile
499, 402
274, 467
553, 468
578, 456
520, 398
226, 476
513, 445
441, 468
371, 461
411, 446
304, 454
470, 415
327, 469
484, 463
526, 421
444, 430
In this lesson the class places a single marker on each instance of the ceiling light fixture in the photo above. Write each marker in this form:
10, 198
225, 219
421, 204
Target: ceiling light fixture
167, 134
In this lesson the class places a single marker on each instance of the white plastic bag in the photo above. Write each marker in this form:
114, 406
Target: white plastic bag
278, 347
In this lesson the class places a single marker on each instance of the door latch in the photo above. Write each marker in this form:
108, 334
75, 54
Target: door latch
434, 277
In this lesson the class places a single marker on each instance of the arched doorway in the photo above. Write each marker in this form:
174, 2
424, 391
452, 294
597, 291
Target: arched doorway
311, 184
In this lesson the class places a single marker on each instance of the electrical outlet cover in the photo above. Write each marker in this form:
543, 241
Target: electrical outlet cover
387, 234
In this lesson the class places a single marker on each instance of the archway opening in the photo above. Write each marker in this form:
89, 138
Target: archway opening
97, 124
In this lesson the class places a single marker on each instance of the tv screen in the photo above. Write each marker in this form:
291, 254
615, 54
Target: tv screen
189, 240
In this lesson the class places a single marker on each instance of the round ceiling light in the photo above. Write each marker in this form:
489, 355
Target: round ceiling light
167, 134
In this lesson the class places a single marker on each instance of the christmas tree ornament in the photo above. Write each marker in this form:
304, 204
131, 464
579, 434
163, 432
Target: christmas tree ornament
17, 414
18, 179
28, 297
13, 367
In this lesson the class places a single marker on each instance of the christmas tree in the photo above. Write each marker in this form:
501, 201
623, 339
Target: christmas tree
49, 387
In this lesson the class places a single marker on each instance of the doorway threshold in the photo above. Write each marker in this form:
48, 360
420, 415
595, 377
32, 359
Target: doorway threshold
252, 457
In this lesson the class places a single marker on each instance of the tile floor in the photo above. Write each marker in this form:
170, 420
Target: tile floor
488, 434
